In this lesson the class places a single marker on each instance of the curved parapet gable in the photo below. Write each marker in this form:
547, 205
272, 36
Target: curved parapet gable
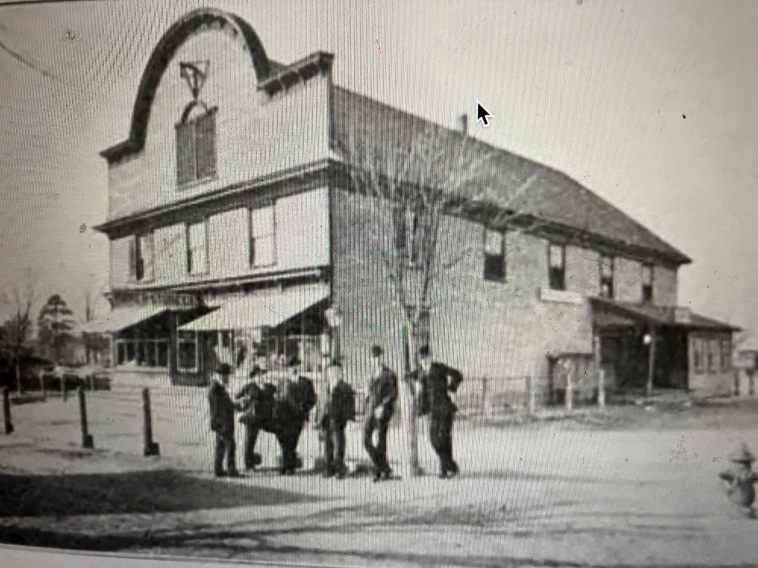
193, 23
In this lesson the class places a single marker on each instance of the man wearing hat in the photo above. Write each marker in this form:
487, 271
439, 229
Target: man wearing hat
740, 479
222, 409
436, 382
254, 414
380, 408
333, 419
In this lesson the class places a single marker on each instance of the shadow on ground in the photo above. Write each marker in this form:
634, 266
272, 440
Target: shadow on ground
163, 491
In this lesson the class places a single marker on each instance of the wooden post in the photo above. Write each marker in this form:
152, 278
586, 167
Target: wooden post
484, 396
87, 441
7, 411
42, 384
151, 448
570, 388
736, 382
530, 396
651, 364
411, 418
64, 390
601, 388
750, 383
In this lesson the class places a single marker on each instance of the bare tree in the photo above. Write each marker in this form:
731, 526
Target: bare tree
18, 329
434, 173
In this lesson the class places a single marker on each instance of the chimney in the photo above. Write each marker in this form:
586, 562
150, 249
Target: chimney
463, 124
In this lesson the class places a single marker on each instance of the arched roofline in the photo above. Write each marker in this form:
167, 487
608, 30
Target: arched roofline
191, 24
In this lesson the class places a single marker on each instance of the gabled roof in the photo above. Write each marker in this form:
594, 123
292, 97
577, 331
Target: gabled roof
505, 179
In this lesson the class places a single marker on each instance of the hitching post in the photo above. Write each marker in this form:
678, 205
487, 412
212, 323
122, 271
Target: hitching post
601, 388
570, 388
87, 441
7, 411
151, 448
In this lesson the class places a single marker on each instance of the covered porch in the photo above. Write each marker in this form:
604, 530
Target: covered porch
642, 347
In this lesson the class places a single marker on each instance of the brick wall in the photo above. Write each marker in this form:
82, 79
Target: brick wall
492, 329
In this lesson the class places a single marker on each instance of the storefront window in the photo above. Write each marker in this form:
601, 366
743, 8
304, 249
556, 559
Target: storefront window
147, 353
697, 355
187, 351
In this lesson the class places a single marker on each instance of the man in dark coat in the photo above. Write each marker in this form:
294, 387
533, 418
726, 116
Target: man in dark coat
222, 409
436, 381
379, 410
254, 413
335, 415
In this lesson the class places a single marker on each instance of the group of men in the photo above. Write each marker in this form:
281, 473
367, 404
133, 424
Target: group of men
432, 384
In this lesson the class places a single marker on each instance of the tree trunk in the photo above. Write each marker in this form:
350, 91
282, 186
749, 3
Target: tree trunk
18, 376
410, 410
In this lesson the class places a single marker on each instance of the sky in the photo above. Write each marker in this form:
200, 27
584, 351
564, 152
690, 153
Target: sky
650, 104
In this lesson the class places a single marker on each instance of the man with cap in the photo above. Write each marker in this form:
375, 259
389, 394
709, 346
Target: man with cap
436, 382
380, 408
222, 409
740, 479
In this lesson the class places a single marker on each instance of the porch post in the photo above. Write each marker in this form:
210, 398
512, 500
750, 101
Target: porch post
598, 369
651, 364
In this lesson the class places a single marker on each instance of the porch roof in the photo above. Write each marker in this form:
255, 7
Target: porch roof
120, 318
254, 311
609, 313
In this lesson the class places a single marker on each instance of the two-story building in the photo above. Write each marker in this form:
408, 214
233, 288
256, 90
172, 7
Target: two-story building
230, 212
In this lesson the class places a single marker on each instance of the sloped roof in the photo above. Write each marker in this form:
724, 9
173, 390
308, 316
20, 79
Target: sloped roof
361, 125
658, 315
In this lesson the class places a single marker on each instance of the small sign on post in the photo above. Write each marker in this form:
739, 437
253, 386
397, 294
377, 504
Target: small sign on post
7, 411
151, 448
87, 441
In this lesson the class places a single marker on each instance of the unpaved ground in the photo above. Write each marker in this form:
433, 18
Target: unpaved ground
604, 489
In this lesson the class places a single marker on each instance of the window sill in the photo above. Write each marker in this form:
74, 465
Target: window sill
560, 296
186, 186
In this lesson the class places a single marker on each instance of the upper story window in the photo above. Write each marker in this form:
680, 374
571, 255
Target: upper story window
141, 258
494, 256
262, 237
606, 277
647, 282
557, 266
197, 248
196, 149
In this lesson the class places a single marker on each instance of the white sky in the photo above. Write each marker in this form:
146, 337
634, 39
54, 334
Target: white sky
594, 88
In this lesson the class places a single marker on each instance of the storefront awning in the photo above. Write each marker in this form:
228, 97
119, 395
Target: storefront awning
609, 313
255, 311
121, 318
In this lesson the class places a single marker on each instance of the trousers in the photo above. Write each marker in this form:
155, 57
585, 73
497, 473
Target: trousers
334, 445
225, 446
441, 437
378, 452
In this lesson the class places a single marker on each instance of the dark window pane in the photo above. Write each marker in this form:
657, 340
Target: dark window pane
151, 356
185, 153
163, 354
206, 146
557, 279
494, 267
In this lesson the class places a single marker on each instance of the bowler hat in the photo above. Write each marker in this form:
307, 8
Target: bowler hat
294, 362
224, 369
743, 455
376, 351
423, 351
335, 362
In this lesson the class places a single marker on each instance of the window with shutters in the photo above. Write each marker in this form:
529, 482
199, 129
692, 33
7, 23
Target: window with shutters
494, 256
141, 258
196, 149
557, 266
197, 248
606, 277
262, 237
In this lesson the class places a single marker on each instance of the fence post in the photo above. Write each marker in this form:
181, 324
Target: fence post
601, 388
750, 383
151, 448
484, 396
570, 389
7, 411
87, 441
736, 382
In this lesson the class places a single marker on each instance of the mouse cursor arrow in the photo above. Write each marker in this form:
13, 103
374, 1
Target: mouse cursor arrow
482, 114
